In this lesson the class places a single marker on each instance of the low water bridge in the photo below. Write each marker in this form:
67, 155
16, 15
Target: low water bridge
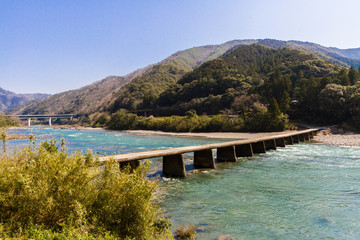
173, 161
44, 116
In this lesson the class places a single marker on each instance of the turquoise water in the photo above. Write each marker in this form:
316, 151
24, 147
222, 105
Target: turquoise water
104, 142
304, 191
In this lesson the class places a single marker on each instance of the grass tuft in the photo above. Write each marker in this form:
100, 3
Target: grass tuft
185, 232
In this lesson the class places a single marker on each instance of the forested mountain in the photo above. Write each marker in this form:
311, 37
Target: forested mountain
261, 84
244, 71
142, 88
10, 100
142, 92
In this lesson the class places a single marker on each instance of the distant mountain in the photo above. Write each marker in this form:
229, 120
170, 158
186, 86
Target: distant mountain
102, 94
140, 88
10, 100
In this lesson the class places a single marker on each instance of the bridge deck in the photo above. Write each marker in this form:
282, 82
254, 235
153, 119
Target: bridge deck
180, 150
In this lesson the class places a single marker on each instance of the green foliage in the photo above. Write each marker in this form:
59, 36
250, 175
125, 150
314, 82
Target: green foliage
284, 102
283, 74
274, 109
191, 113
101, 120
122, 121
266, 122
3, 140
194, 123
47, 194
143, 91
343, 78
8, 122
353, 75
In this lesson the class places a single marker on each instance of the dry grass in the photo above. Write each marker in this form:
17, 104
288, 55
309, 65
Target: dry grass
185, 232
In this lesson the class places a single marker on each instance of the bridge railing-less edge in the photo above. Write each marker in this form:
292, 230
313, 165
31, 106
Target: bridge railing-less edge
173, 162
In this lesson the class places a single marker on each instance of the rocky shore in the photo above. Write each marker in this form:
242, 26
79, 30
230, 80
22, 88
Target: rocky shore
334, 136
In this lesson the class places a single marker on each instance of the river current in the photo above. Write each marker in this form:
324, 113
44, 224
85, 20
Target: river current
303, 191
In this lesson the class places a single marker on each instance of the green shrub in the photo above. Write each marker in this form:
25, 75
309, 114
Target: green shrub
8, 122
101, 120
45, 193
189, 123
266, 121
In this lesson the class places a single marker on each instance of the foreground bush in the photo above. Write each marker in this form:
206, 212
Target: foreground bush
47, 194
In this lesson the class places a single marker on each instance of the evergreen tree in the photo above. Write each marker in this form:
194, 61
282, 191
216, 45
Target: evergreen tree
274, 108
284, 102
343, 77
353, 75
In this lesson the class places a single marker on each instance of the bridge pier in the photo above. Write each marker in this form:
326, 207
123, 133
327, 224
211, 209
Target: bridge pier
50, 121
259, 147
306, 136
244, 150
174, 166
270, 144
29, 122
226, 154
301, 138
295, 139
312, 134
204, 159
289, 140
280, 142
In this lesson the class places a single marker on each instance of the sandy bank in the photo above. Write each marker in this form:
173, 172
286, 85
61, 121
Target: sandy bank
16, 136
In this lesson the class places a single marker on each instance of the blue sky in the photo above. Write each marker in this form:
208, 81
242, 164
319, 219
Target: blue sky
59, 45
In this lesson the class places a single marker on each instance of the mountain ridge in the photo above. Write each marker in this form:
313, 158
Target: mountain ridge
10, 100
114, 91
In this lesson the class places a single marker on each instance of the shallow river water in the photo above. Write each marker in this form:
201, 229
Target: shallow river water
303, 191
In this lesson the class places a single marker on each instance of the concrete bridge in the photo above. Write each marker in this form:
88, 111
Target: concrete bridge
173, 162
44, 116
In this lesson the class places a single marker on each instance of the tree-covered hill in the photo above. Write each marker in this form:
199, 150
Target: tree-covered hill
142, 92
253, 80
97, 97
255, 70
142, 88
251, 88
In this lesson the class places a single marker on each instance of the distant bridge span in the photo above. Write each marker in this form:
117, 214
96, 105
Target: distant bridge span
42, 116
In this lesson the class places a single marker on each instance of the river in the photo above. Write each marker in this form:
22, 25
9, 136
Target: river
303, 191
